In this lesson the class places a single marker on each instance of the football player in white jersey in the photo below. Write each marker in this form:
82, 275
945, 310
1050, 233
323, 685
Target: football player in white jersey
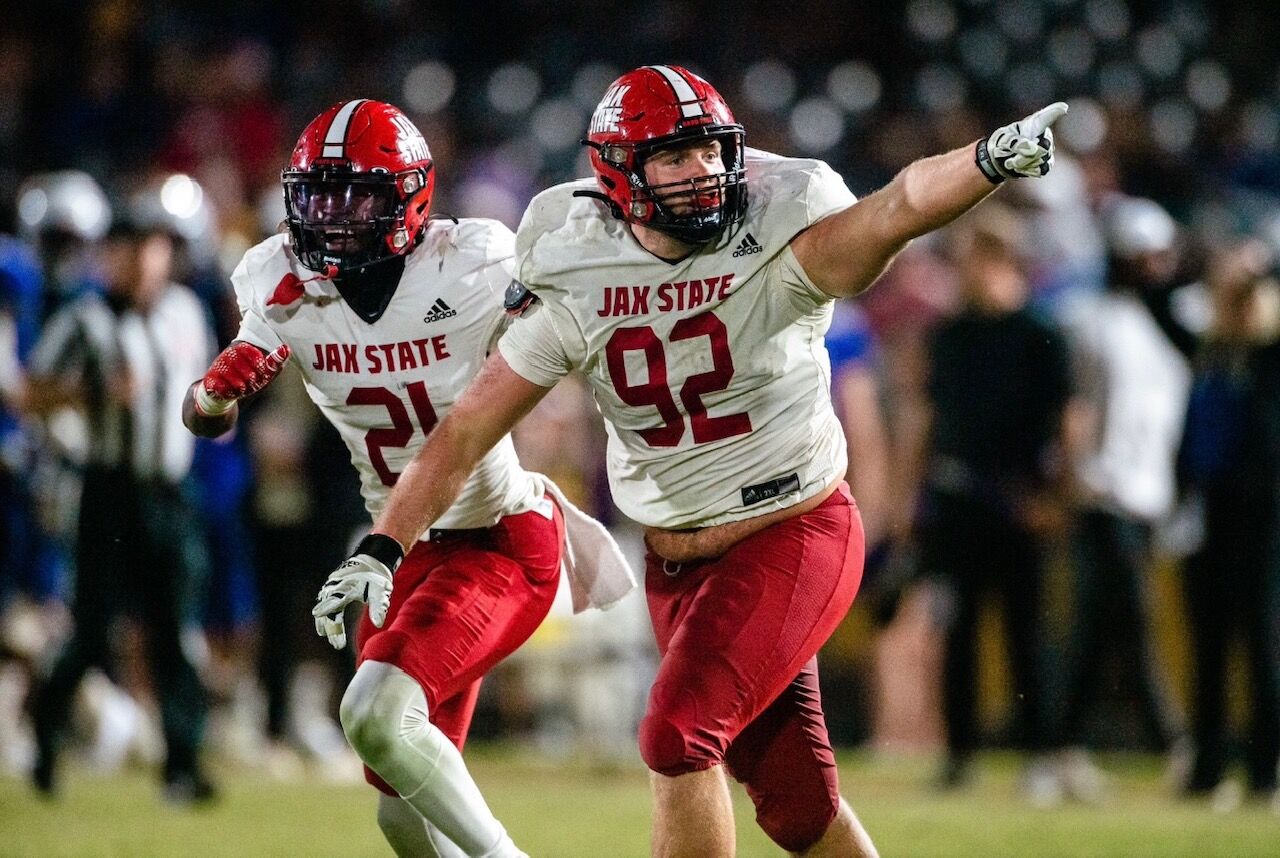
388, 316
691, 282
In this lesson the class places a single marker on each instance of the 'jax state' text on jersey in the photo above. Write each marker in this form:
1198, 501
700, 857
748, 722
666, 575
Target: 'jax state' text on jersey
385, 384
711, 372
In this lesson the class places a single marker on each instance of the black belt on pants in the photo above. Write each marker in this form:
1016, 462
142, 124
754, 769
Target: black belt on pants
442, 534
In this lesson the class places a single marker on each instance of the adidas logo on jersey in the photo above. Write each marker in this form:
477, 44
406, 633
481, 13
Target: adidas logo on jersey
748, 246
439, 310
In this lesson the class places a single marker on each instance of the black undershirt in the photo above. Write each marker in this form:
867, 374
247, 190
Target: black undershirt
369, 290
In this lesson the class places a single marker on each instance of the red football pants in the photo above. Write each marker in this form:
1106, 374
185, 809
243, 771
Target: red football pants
459, 606
738, 680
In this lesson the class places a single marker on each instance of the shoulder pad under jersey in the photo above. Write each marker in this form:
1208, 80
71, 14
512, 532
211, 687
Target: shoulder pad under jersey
517, 298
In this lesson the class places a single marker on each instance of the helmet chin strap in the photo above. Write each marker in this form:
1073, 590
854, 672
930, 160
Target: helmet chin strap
604, 198
329, 273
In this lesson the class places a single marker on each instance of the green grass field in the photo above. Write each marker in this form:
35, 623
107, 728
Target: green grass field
565, 810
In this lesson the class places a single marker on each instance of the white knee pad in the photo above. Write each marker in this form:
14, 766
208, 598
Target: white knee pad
384, 714
382, 710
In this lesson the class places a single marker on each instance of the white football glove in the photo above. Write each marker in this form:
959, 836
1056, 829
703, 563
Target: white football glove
1023, 148
363, 577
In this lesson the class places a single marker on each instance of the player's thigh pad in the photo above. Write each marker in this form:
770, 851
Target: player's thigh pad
734, 632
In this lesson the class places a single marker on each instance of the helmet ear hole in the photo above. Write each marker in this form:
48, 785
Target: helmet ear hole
608, 182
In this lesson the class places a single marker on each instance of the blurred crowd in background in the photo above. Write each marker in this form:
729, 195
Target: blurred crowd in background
1063, 411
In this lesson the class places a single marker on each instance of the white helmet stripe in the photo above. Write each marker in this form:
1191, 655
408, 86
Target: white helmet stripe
690, 105
336, 138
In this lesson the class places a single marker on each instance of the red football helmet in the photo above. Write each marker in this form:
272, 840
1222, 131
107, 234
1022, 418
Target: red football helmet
358, 187
651, 108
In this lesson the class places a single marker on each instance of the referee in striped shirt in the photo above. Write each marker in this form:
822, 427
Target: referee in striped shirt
124, 359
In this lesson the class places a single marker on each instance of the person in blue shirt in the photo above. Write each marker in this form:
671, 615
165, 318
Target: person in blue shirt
22, 568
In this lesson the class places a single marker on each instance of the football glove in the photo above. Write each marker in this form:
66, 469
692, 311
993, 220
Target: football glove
241, 370
363, 577
1023, 148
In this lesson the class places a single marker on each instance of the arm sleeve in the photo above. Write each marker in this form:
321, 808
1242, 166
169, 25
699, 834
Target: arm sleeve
534, 348
254, 327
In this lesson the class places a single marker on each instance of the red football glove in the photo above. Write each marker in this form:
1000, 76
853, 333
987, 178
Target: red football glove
241, 370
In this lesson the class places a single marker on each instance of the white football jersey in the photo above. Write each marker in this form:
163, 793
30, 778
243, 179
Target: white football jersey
385, 385
711, 372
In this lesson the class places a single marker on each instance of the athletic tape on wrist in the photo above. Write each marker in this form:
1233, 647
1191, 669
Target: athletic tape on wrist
982, 157
382, 548
210, 405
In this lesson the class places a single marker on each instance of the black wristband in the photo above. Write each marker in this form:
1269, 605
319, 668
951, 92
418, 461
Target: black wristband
985, 163
382, 548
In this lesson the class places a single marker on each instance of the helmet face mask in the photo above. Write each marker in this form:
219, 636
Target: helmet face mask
340, 218
358, 188
698, 209
653, 109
